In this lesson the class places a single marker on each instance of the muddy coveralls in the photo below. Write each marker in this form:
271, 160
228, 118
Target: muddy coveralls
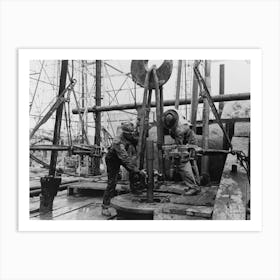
188, 169
117, 155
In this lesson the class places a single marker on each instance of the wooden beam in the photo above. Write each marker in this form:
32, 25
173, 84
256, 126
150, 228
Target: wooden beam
221, 87
233, 120
205, 120
97, 138
159, 123
186, 91
178, 84
194, 103
58, 117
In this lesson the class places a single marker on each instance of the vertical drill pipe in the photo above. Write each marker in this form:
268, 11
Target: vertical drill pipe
221, 87
143, 113
194, 103
178, 84
83, 96
205, 120
162, 135
146, 128
159, 123
186, 91
58, 117
150, 169
97, 138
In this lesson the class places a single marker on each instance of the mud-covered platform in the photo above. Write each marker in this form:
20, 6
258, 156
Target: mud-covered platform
169, 202
82, 198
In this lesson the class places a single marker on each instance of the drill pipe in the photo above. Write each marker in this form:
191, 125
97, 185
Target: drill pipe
150, 169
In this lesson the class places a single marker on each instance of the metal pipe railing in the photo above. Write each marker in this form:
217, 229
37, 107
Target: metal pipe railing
119, 107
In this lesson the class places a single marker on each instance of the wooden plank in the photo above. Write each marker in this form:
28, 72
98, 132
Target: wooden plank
66, 204
88, 212
175, 188
158, 215
34, 201
35, 183
205, 198
97, 186
187, 212
234, 188
200, 211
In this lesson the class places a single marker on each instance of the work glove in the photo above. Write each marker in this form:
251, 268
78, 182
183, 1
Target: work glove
143, 173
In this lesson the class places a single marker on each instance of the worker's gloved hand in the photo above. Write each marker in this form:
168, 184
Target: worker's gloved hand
194, 149
198, 149
137, 182
143, 173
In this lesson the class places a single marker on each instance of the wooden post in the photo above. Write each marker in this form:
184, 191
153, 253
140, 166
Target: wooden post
97, 138
83, 106
159, 124
221, 87
178, 84
50, 184
194, 103
58, 117
83, 98
186, 90
205, 120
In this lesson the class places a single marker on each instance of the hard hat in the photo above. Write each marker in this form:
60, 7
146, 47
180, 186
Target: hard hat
127, 127
170, 118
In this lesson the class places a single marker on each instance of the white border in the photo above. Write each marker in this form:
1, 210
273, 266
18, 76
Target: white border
254, 55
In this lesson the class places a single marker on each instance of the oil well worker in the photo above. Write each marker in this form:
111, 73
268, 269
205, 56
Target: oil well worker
117, 155
184, 135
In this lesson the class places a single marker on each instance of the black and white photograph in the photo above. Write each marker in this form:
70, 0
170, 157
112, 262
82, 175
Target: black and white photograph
139, 139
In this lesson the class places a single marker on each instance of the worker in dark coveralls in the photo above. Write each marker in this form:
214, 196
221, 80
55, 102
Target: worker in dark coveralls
188, 170
117, 155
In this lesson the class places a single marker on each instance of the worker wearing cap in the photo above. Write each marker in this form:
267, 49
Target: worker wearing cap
117, 155
184, 135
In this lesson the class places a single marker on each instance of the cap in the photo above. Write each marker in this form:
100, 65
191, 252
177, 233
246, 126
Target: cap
127, 127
